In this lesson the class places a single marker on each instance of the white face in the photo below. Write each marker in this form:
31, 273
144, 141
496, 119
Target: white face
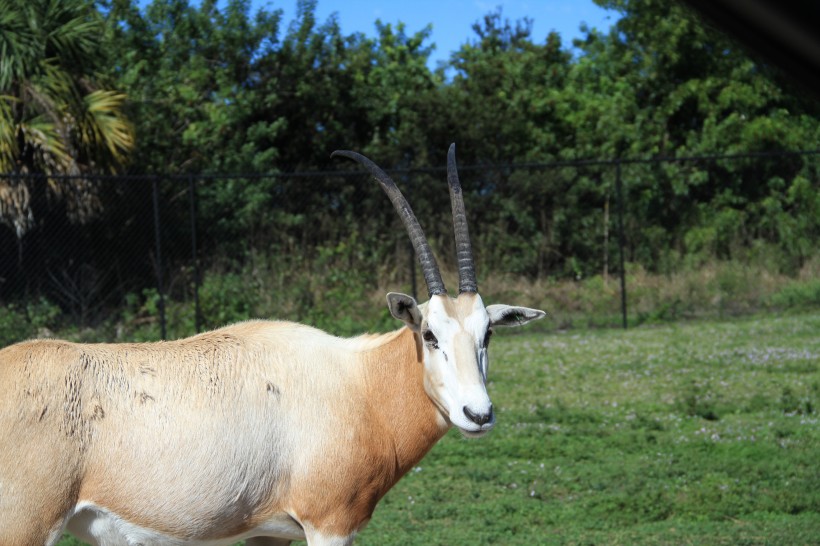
455, 334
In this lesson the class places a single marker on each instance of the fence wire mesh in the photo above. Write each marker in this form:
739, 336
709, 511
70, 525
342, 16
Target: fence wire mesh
97, 246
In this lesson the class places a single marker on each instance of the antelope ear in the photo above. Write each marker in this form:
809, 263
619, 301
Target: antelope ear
404, 308
507, 315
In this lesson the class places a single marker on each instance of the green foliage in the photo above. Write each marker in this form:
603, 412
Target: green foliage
190, 70
13, 326
18, 323
139, 315
798, 295
227, 88
217, 88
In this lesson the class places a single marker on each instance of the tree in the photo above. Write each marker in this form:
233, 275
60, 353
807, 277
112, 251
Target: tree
663, 83
192, 73
503, 110
56, 117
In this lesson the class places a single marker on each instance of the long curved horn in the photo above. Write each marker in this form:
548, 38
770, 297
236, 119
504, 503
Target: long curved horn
428, 263
464, 250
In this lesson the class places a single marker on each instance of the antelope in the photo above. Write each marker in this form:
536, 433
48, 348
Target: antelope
262, 431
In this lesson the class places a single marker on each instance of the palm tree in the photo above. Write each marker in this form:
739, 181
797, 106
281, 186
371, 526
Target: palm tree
56, 120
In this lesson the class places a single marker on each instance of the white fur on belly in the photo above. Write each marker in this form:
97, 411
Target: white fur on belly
98, 525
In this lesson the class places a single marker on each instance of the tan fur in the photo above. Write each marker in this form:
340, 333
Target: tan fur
386, 441
210, 436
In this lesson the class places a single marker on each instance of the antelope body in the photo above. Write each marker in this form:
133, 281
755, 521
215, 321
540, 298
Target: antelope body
267, 431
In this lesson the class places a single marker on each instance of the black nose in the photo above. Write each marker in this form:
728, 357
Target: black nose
479, 418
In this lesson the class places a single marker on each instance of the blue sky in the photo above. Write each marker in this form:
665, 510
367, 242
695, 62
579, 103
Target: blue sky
452, 20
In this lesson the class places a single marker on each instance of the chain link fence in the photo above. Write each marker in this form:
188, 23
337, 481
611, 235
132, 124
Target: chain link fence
97, 246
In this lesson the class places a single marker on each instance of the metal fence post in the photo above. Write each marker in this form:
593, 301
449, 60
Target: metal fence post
621, 238
194, 257
157, 236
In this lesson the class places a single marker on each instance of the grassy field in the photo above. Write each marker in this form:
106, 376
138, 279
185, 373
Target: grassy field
689, 433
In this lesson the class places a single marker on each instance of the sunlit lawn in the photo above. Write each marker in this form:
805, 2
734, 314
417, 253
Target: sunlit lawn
694, 433
702, 433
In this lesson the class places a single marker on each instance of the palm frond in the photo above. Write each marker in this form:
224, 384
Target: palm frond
43, 96
53, 118
21, 49
72, 33
9, 150
107, 125
57, 82
47, 146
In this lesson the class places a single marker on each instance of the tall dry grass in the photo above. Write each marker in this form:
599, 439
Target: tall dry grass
716, 289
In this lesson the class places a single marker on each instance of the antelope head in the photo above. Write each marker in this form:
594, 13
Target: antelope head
454, 333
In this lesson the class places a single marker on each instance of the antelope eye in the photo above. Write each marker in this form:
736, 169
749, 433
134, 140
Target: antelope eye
430, 338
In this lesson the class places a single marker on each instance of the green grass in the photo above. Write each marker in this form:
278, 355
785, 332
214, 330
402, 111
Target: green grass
689, 433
